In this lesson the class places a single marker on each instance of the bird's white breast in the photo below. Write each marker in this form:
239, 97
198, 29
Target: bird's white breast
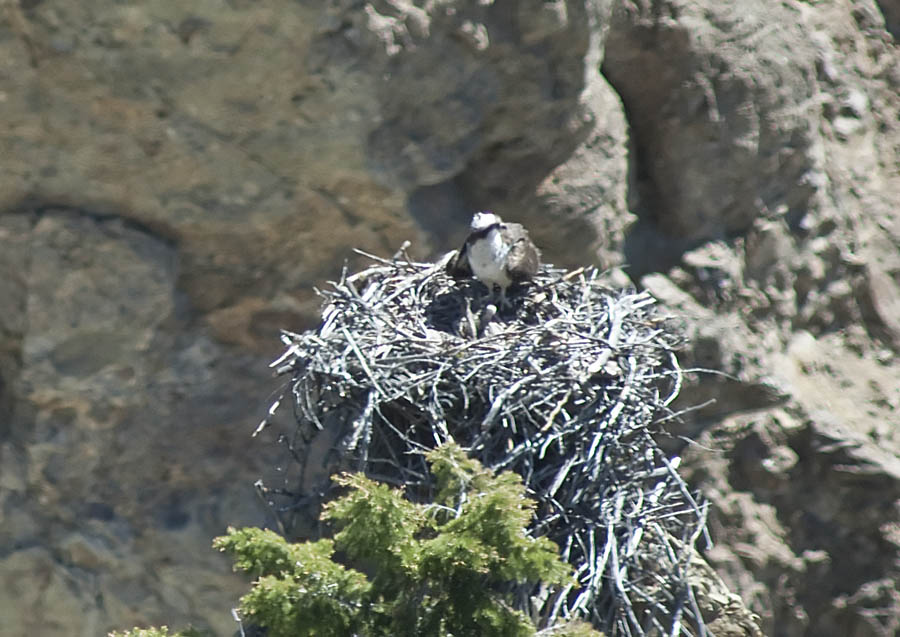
487, 257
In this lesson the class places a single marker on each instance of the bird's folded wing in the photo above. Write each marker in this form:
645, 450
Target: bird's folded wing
458, 266
523, 259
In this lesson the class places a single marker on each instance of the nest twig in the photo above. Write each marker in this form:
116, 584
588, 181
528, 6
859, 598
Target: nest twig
564, 388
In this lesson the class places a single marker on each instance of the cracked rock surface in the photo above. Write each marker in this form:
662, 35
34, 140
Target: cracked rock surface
178, 177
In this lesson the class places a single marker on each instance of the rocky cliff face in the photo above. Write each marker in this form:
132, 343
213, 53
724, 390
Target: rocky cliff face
177, 177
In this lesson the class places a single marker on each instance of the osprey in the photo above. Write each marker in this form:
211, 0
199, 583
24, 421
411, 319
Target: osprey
496, 253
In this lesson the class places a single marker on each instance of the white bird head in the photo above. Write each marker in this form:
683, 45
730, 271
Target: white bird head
482, 220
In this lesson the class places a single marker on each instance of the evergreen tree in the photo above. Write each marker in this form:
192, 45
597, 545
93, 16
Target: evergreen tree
438, 569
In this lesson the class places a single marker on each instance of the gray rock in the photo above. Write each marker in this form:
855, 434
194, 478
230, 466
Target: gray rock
178, 177
720, 135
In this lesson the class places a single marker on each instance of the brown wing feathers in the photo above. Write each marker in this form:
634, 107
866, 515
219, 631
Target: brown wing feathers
523, 259
458, 266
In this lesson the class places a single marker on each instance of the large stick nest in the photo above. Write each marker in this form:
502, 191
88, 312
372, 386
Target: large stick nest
566, 387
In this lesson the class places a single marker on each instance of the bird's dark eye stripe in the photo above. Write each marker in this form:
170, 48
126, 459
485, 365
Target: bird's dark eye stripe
479, 234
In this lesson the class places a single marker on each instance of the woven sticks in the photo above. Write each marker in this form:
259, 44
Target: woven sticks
564, 388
